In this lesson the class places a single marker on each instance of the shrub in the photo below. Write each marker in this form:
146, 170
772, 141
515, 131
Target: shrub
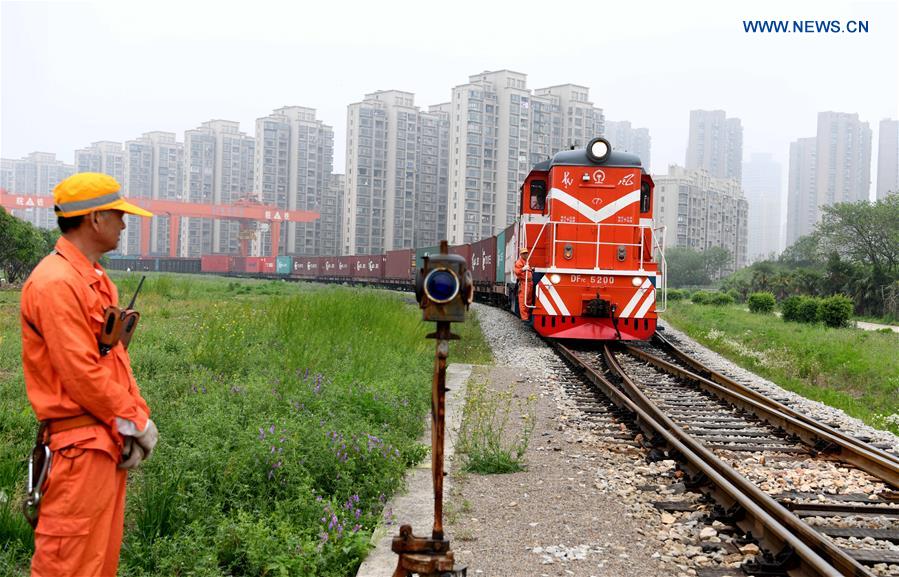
761, 302
720, 299
836, 310
676, 294
700, 297
807, 312
735, 294
790, 308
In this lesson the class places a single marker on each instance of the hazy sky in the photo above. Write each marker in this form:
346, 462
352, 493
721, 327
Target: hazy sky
77, 72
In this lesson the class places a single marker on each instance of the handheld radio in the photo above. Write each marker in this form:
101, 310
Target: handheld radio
119, 325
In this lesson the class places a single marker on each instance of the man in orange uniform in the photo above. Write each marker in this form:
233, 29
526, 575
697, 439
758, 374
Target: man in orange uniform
89, 402
525, 284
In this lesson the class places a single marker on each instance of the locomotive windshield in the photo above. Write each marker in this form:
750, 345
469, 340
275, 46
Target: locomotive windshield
538, 195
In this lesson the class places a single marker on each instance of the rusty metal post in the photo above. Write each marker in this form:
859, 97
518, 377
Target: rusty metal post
420, 555
438, 421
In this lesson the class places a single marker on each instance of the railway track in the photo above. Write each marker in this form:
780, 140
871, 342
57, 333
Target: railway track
815, 500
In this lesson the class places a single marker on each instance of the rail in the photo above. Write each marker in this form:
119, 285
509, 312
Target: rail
779, 528
866, 457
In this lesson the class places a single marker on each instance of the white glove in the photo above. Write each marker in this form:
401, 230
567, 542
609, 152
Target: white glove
147, 438
132, 454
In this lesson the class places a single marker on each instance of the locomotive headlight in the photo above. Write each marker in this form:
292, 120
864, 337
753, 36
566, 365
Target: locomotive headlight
441, 285
637, 280
555, 278
598, 149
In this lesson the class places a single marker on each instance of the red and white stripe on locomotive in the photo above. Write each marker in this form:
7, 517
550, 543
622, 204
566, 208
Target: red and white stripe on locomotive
586, 216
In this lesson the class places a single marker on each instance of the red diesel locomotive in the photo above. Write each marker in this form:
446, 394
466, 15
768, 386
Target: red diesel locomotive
595, 255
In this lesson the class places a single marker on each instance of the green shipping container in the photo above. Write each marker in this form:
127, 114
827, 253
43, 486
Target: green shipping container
500, 257
421, 253
284, 265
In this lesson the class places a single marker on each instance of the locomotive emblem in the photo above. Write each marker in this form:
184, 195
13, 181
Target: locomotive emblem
599, 176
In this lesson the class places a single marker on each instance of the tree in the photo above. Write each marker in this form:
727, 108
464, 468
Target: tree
716, 258
686, 267
865, 233
22, 246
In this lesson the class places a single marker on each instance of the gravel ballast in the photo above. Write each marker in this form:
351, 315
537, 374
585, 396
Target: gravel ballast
584, 505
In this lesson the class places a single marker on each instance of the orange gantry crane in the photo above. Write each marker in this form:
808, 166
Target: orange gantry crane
245, 211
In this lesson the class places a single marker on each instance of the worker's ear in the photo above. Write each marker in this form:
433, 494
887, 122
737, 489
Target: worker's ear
94, 219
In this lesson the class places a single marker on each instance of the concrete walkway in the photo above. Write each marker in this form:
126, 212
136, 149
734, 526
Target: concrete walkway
875, 326
416, 505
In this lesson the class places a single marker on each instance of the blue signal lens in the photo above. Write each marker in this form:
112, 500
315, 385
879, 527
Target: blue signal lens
441, 285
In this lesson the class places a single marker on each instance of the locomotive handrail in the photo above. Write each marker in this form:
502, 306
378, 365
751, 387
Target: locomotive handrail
663, 266
598, 242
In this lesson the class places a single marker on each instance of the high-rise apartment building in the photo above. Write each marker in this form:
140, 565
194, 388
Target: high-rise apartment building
109, 158
577, 121
218, 169
888, 158
394, 156
837, 170
332, 216
701, 211
623, 137
104, 156
294, 159
715, 144
802, 193
498, 131
37, 174
154, 168
761, 183
429, 224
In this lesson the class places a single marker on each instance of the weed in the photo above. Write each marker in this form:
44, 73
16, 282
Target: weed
484, 440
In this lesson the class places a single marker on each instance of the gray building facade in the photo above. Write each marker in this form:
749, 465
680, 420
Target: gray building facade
888, 158
715, 144
761, 184
218, 169
701, 212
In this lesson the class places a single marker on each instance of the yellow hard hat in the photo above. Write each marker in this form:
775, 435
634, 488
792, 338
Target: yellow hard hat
523, 250
86, 192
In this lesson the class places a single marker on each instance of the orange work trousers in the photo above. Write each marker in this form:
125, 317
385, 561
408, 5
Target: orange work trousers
79, 530
525, 287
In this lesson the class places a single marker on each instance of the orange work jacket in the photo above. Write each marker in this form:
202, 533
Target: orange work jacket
518, 269
65, 376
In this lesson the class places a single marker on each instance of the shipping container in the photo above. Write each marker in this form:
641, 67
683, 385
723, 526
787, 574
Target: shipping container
500, 260
510, 254
328, 267
215, 263
421, 253
345, 267
367, 266
482, 261
123, 263
306, 266
268, 265
177, 264
284, 265
400, 264
463, 250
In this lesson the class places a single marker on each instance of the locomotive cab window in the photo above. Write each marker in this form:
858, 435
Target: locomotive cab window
538, 195
644, 197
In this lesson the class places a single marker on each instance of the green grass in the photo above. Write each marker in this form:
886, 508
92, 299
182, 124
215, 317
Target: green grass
851, 369
288, 414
